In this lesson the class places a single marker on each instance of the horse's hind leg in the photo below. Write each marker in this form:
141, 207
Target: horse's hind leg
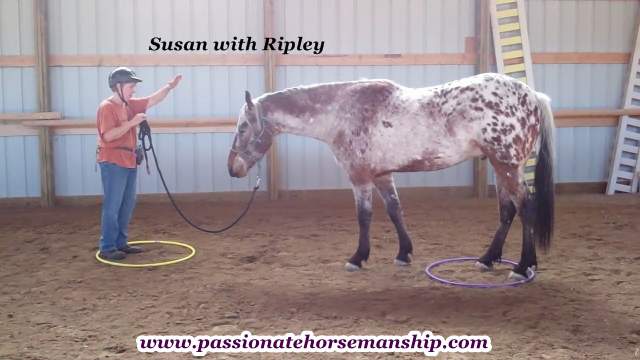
507, 213
526, 210
387, 190
512, 180
363, 195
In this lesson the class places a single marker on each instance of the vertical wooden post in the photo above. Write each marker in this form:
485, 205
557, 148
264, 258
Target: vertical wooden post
484, 63
47, 190
269, 86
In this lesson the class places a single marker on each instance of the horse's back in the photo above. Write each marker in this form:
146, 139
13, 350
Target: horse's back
489, 113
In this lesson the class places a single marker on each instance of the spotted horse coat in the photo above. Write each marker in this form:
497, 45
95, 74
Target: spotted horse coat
377, 127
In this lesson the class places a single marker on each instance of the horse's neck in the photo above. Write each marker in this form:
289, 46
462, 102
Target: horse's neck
320, 126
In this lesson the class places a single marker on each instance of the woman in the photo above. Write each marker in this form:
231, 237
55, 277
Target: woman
117, 119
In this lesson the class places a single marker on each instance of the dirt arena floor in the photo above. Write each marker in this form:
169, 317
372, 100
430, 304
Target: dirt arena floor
281, 271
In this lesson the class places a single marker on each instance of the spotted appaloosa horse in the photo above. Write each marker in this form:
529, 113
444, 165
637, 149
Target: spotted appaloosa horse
376, 127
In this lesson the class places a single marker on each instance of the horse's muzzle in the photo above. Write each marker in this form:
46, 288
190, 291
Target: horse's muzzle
237, 166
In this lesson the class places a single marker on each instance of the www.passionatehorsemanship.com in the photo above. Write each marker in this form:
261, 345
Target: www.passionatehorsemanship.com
247, 43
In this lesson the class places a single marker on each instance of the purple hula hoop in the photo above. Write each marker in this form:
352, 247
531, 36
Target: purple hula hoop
531, 275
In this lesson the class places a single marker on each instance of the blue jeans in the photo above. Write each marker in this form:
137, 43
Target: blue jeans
119, 188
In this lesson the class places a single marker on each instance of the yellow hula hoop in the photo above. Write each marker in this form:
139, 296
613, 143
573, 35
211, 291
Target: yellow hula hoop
168, 262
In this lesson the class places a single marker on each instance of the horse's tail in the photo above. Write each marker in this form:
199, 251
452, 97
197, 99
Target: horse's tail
544, 184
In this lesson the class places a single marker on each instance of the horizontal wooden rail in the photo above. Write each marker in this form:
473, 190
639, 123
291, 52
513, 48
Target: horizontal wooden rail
592, 118
164, 59
256, 59
17, 61
377, 59
563, 118
21, 124
580, 58
154, 122
571, 122
30, 116
586, 113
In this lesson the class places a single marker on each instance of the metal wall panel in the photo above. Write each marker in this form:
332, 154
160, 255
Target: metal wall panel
16, 27
122, 26
189, 163
19, 170
18, 89
88, 27
583, 154
19, 167
17, 84
579, 86
204, 90
582, 25
126, 27
379, 26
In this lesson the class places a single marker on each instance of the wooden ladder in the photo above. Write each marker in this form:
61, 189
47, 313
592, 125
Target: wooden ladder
513, 54
625, 168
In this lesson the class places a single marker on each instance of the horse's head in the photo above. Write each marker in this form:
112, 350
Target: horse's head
252, 139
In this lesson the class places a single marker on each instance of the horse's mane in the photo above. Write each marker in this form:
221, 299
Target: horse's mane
292, 91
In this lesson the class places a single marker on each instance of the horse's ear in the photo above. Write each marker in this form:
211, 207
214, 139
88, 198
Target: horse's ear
247, 98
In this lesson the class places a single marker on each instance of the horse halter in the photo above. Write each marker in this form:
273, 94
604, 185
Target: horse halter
254, 139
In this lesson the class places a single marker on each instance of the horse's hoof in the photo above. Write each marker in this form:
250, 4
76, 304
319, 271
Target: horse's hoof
533, 268
351, 267
483, 267
515, 276
401, 263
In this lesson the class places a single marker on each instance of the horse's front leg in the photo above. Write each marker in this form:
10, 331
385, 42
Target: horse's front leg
387, 190
363, 197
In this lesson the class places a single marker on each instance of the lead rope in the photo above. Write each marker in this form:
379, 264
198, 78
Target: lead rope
144, 135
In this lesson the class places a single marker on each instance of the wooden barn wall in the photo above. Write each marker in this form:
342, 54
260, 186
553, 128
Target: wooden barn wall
19, 162
583, 153
195, 162
191, 162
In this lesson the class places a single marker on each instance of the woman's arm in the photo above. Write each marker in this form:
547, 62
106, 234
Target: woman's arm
159, 95
119, 131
